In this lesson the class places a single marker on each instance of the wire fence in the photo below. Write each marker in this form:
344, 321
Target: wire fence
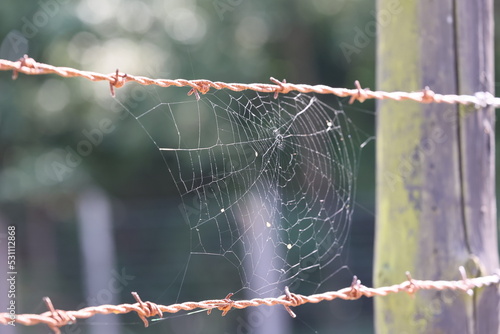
29, 66
56, 319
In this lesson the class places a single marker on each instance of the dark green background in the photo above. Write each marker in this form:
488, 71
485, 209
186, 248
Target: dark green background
232, 41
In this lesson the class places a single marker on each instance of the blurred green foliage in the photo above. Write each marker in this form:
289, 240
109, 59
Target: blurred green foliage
45, 117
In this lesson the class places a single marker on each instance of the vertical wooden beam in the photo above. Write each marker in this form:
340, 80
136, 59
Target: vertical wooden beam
435, 166
475, 68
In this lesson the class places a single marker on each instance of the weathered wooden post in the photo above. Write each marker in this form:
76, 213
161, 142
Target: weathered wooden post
435, 166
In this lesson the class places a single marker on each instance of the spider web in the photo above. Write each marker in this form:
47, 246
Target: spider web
267, 183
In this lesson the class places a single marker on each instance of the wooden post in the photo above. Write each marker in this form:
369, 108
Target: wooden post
435, 166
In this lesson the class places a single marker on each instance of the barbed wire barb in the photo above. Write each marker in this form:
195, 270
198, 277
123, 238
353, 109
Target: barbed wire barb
29, 66
55, 319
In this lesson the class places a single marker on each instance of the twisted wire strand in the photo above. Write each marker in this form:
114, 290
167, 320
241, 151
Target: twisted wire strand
29, 66
55, 319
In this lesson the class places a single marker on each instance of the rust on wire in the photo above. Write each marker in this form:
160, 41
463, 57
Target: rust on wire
281, 89
119, 80
355, 292
229, 304
411, 288
55, 319
29, 66
60, 318
225, 305
427, 95
294, 301
147, 309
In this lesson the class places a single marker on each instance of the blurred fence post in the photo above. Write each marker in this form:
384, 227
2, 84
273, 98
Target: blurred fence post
102, 282
436, 206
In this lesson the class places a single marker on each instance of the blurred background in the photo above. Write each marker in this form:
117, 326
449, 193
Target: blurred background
91, 231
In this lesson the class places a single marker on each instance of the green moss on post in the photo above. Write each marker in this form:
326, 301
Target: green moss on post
429, 194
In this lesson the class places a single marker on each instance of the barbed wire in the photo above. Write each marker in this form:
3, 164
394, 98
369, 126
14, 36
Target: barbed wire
56, 319
29, 66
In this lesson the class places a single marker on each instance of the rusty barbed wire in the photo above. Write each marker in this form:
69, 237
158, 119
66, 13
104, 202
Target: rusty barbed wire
29, 66
56, 319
